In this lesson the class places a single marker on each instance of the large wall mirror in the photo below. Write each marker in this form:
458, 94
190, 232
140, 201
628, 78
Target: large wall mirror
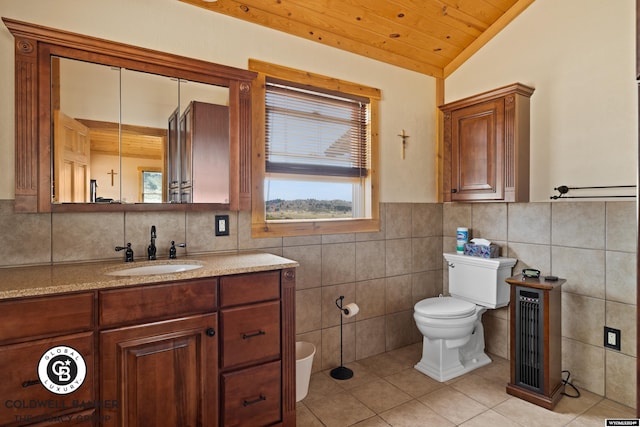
107, 126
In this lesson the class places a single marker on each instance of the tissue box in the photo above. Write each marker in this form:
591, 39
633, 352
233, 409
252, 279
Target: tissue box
482, 251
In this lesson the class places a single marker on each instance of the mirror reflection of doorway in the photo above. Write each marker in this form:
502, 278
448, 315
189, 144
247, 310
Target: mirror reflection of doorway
125, 113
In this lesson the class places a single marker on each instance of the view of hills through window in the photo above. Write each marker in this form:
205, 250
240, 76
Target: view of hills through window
286, 199
152, 187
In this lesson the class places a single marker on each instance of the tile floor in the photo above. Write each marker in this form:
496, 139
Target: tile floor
387, 391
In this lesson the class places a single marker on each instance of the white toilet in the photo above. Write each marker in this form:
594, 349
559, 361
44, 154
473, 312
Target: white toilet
453, 342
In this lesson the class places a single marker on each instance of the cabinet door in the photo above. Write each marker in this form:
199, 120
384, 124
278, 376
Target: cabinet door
22, 319
186, 141
25, 399
252, 397
477, 167
250, 334
161, 374
209, 153
145, 304
173, 160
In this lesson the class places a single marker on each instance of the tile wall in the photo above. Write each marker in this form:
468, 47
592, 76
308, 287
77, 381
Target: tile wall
591, 244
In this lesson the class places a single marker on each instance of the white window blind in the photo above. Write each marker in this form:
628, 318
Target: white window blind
311, 132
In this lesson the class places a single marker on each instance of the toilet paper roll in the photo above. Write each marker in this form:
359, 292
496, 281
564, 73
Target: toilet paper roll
350, 310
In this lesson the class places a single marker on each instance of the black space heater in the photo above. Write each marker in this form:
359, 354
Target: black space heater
529, 338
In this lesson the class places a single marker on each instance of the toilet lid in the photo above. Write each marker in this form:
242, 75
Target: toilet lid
445, 307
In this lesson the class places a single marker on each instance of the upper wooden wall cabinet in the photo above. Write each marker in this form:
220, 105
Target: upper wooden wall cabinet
486, 146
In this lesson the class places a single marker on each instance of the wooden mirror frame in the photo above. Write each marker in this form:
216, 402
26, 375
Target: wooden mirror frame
34, 46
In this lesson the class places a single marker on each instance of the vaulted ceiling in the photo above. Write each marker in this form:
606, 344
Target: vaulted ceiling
432, 37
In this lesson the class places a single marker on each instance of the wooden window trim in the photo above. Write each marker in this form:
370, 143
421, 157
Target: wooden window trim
260, 227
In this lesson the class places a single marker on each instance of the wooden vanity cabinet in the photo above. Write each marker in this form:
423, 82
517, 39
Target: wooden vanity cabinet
25, 336
160, 362
486, 146
254, 377
161, 373
201, 352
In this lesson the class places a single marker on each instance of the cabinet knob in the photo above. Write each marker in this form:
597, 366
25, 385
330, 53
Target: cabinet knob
454, 190
211, 332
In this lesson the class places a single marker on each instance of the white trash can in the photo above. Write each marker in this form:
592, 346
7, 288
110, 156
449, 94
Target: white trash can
304, 361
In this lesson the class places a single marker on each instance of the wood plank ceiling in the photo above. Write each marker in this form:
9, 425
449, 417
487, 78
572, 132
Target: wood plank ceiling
126, 141
432, 37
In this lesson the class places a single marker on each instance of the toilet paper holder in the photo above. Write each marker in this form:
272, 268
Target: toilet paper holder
341, 372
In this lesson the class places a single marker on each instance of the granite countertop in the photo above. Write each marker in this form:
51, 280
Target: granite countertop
59, 278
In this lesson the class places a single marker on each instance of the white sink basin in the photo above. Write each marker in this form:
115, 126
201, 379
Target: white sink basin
145, 270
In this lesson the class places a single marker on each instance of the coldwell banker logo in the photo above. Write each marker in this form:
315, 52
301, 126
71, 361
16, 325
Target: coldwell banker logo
62, 370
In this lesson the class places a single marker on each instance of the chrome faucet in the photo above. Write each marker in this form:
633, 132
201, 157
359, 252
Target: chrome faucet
151, 250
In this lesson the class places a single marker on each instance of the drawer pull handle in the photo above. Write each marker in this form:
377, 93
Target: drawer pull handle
255, 334
211, 332
29, 383
251, 402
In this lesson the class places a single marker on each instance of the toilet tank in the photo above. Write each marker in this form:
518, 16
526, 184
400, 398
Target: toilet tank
480, 280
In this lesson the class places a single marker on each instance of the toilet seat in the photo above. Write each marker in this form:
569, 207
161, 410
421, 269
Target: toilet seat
445, 308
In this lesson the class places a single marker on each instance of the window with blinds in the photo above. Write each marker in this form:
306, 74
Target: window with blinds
315, 133
317, 149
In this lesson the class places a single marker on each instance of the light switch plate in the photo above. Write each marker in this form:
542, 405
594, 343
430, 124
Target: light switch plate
222, 225
612, 338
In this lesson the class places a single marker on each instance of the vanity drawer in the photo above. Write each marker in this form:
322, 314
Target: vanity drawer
249, 288
141, 303
46, 316
20, 385
251, 397
250, 334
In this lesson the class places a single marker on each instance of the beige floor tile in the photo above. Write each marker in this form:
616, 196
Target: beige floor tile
339, 410
490, 418
372, 422
587, 421
387, 391
530, 415
453, 405
380, 395
602, 410
413, 414
361, 375
383, 364
321, 385
409, 355
577, 406
487, 392
497, 371
304, 417
614, 409
414, 382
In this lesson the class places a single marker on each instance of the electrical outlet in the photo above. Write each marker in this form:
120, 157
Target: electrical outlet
222, 225
612, 338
